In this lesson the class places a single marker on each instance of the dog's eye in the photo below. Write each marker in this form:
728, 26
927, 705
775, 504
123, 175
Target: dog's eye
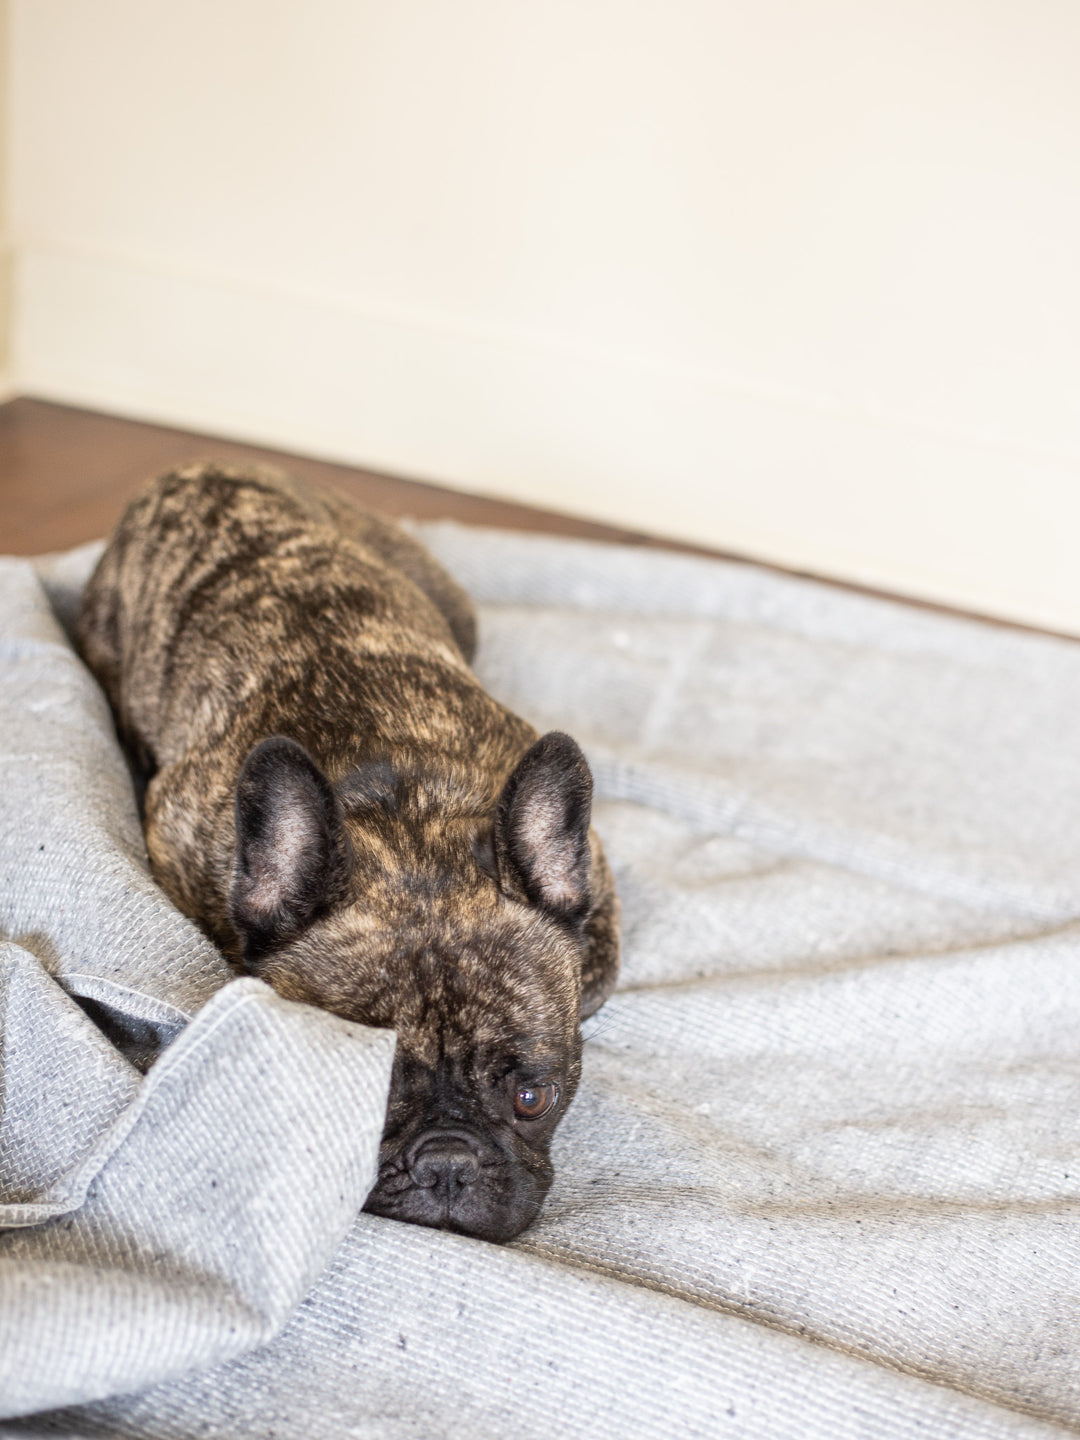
532, 1101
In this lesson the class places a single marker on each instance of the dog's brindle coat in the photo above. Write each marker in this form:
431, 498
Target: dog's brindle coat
334, 798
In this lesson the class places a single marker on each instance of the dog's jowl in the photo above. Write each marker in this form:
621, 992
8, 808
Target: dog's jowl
335, 799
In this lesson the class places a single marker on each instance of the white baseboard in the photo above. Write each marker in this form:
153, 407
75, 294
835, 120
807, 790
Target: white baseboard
783, 478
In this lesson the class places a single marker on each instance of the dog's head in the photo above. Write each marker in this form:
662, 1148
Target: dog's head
389, 900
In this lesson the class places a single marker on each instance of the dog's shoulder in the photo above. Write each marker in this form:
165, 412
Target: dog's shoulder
400, 551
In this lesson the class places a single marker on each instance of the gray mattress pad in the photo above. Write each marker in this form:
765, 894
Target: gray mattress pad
822, 1177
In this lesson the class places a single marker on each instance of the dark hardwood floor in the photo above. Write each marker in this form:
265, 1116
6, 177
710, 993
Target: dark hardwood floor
66, 475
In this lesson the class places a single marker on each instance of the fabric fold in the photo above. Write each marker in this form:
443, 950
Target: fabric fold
220, 1193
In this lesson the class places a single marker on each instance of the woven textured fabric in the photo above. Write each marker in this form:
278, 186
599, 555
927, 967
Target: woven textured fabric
822, 1177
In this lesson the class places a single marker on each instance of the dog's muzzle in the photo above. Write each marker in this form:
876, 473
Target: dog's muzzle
453, 1179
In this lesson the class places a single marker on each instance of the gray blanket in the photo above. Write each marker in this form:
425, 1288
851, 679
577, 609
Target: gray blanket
822, 1178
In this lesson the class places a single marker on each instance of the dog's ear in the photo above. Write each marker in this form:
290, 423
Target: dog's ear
541, 831
292, 850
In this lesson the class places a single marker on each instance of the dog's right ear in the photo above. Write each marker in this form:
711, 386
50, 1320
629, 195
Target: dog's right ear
541, 830
292, 849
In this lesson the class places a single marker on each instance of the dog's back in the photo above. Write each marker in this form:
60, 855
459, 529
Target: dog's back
212, 565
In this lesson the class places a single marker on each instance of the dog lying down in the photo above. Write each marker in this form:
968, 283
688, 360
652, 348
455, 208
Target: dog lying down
333, 797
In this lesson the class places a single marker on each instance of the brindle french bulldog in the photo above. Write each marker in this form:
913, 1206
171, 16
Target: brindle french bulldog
334, 798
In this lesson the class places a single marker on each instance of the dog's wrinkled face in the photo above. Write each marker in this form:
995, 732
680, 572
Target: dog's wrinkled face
383, 901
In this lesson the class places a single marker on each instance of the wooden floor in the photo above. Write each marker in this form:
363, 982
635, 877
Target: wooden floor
66, 475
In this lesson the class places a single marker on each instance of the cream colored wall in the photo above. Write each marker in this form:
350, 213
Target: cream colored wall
5, 239
794, 280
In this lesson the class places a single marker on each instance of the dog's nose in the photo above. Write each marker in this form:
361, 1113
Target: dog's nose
443, 1161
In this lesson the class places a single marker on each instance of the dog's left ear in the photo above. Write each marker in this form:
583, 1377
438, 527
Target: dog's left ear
541, 830
292, 849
